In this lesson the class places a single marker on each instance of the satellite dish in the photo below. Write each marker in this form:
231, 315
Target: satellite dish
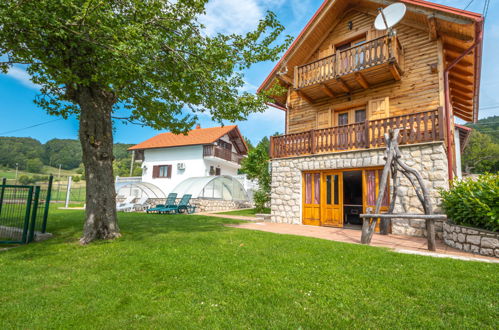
390, 16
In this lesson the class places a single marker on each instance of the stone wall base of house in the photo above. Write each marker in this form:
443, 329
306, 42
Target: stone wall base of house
428, 158
208, 205
412, 227
473, 240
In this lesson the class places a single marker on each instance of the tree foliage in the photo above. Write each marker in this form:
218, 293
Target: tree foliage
66, 153
34, 165
481, 154
151, 58
256, 166
146, 62
19, 150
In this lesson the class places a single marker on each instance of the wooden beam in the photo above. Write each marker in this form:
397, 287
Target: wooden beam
463, 115
343, 85
460, 88
305, 97
361, 80
395, 72
432, 28
461, 72
327, 91
460, 81
463, 62
285, 79
453, 74
463, 111
463, 106
462, 101
463, 96
454, 48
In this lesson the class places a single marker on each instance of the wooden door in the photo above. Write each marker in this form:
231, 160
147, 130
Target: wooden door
332, 199
312, 199
370, 181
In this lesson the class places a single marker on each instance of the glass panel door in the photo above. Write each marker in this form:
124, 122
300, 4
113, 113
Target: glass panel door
332, 206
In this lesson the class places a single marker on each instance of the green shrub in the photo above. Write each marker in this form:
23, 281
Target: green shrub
261, 199
474, 203
76, 178
34, 165
24, 180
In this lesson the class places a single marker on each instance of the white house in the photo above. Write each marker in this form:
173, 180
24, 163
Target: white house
169, 159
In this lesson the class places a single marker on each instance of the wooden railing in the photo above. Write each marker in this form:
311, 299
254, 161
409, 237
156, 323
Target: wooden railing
414, 128
371, 53
216, 151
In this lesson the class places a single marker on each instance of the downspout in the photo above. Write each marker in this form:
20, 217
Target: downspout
478, 41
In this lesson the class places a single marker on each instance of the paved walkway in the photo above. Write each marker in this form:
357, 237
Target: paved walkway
402, 244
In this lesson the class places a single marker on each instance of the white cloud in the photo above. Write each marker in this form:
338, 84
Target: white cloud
236, 16
230, 16
22, 76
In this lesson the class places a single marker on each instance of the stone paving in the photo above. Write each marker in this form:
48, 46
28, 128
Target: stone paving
398, 243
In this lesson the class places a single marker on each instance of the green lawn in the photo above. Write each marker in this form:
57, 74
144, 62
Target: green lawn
192, 272
246, 212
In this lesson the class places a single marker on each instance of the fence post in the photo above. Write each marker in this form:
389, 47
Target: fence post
68, 192
26, 215
31, 234
47, 204
2, 191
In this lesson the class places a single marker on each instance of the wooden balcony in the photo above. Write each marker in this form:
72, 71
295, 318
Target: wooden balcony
414, 128
359, 67
218, 152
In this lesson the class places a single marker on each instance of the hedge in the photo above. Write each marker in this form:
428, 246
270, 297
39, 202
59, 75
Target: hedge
473, 202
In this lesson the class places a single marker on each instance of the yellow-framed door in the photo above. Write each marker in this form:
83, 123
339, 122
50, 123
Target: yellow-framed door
311, 199
370, 191
332, 199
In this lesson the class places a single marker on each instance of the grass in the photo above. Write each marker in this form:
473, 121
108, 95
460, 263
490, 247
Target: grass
246, 212
188, 271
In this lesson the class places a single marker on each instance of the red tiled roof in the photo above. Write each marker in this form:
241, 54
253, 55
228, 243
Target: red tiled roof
193, 137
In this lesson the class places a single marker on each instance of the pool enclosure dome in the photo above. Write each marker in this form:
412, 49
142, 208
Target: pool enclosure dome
139, 190
222, 187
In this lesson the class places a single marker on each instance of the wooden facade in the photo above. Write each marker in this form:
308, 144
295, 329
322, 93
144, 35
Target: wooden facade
342, 74
348, 84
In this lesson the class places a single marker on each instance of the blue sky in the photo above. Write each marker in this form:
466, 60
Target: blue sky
17, 92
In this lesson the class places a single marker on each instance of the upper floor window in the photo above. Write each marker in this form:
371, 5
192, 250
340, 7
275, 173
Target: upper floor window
162, 171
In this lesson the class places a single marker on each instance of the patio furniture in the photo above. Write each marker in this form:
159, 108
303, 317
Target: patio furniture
184, 205
126, 205
141, 204
170, 202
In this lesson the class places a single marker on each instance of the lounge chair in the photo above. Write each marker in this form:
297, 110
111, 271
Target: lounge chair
170, 202
126, 205
141, 204
182, 206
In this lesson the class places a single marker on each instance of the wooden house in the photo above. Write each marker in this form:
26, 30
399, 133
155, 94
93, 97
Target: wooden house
346, 84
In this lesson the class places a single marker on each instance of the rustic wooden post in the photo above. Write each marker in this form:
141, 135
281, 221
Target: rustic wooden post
296, 81
271, 147
367, 139
441, 123
338, 63
312, 142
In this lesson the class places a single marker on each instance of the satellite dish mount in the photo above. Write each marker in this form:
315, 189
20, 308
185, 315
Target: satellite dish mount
389, 17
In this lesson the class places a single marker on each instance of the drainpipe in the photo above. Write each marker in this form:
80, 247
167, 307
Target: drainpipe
478, 41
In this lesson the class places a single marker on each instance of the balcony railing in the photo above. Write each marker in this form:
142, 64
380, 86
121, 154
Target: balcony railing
218, 152
414, 128
355, 59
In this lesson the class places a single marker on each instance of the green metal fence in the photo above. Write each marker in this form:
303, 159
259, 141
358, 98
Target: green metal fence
24, 212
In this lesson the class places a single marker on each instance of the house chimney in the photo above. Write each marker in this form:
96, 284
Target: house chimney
198, 126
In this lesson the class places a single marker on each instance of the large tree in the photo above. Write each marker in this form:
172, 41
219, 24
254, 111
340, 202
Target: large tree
143, 61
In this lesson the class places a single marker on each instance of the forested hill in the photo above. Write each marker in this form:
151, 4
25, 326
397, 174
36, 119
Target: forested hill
64, 152
489, 126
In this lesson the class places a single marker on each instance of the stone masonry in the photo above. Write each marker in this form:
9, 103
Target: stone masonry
207, 205
473, 240
428, 158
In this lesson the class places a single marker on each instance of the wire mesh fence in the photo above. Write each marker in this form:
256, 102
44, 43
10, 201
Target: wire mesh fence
24, 211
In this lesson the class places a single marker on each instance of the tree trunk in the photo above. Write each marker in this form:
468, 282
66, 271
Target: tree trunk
96, 138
